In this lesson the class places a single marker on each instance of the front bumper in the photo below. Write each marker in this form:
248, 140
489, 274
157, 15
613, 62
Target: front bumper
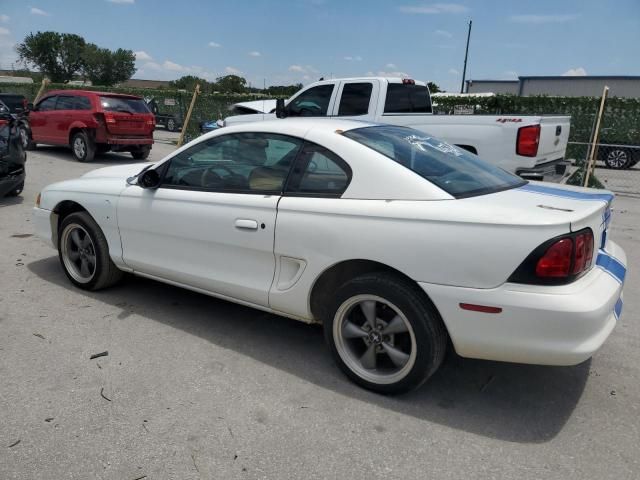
43, 221
545, 325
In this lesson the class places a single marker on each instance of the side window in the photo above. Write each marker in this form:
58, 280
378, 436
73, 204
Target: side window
240, 163
355, 99
65, 103
319, 172
47, 104
82, 103
311, 103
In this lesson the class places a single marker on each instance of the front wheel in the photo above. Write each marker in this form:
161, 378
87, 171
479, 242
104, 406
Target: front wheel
384, 333
84, 253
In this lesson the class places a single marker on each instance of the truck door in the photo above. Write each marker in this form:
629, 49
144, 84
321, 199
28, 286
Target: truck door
313, 102
357, 99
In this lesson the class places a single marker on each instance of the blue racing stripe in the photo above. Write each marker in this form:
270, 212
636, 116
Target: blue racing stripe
617, 310
612, 266
543, 189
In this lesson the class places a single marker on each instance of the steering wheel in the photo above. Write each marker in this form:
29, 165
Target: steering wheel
210, 178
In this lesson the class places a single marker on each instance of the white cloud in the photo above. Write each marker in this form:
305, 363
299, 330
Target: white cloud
254, 54
142, 56
392, 66
307, 69
383, 73
214, 45
538, 19
4, 31
4, 18
232, 71
575, 72
122, 1
434, 8
348, 59
297, 68
453, 71
169, 70
37, 11
443, 33
172, 66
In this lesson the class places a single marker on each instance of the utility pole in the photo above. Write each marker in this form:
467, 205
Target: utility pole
466, 54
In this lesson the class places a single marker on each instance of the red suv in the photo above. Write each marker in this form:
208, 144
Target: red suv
91, 122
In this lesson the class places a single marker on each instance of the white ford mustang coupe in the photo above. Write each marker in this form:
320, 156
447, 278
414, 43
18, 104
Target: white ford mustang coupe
395, 241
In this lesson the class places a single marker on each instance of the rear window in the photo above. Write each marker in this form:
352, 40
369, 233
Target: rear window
406, 98
456, 171
13, 102
123, 104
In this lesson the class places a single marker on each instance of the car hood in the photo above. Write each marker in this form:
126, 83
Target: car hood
118, 171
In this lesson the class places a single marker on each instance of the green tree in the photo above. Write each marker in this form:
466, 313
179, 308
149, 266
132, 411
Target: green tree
189, 82
57, 55
284, 90
433, 88
105, 67
230, 84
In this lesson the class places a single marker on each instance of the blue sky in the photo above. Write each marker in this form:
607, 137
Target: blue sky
302, 40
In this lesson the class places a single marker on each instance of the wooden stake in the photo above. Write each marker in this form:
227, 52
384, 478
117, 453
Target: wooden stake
45, 83
185, 124
596, 137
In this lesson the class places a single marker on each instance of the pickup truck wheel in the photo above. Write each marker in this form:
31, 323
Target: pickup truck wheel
84, 253
141, 153
83, 148
384, 333
617, 158
171, 125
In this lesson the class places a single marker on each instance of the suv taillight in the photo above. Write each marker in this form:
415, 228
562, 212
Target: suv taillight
528, 139
558, 261
109, 118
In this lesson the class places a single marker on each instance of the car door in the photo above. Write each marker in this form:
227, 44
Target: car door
210, 225
40, 120
357, 99
62, 117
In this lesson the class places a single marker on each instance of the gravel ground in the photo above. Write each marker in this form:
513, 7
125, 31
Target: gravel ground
195, 387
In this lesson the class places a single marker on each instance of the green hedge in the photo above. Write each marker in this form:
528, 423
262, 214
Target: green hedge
621, 121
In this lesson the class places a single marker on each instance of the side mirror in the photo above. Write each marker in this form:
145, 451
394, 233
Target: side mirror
281, 110
149, 179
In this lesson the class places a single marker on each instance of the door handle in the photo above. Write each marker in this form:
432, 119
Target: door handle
246, 224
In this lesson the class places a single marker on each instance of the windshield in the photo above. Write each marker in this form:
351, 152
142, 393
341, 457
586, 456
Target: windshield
456, 171
123, 104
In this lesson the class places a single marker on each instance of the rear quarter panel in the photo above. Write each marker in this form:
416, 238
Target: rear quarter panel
429, 241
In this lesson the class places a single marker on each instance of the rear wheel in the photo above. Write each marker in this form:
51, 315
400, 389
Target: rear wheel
84, 253
171, 125
16, 191
384, 333
141, 153
617, 158
83, 147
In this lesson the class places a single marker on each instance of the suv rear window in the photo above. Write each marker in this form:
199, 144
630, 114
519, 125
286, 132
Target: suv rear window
406, 98
123, 104
456, 171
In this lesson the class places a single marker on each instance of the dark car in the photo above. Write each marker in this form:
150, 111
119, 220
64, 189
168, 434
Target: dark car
12, 155
17, 105
92, 122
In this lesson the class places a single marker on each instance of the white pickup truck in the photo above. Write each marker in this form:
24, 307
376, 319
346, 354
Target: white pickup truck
531, 146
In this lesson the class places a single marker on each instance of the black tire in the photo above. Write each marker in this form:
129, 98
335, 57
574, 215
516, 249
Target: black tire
172, 124
105, 273
141, 153
16, 191
83, 147
102, 148
429, 332
617, 158
25, 137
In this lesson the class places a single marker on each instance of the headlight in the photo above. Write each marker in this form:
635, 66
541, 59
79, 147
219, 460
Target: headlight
38, 200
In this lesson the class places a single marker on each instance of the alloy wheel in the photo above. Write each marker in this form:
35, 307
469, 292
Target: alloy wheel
617, 158
78, 253
79, 147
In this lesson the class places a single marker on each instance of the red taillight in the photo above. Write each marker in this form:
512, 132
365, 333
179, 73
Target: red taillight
528, 139
109, 118
556, 261
583, 252
3, 123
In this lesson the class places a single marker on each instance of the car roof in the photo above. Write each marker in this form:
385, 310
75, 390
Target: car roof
295, 125
89, 92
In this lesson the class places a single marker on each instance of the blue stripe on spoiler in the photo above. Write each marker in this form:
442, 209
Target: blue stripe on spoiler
617, 310
611, 265
556, 192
